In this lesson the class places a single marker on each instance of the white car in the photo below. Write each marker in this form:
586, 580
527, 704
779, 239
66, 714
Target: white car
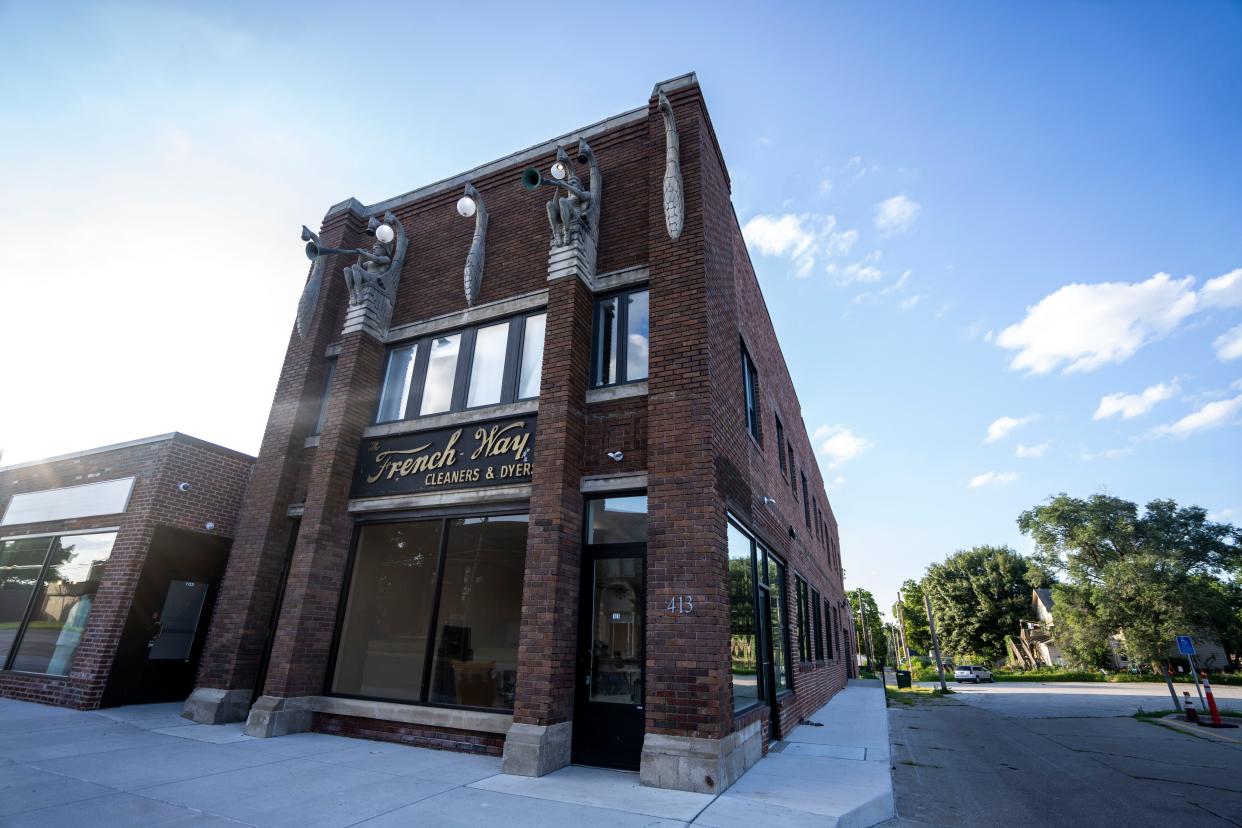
967, 672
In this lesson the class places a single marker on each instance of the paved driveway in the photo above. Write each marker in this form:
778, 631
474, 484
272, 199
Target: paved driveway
1059, 755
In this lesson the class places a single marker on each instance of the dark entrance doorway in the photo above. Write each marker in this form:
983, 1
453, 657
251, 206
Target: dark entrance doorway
608, 699
157, 658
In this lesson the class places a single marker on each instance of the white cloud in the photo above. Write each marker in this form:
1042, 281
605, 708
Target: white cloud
1130, 406
1083, 327
909, 302
883, 293
1222, 516
1107, 454
840, 444
1229, 344
837, 483
1032, 451
1002, 426
1210, 415
856, 272
825, 186
895, 215
800, 237
1223, 291
992, 479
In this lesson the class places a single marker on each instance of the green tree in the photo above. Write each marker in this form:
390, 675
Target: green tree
911, 610
875, 626
1151, 575
979, 596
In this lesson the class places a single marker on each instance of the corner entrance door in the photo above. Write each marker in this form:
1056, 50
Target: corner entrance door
608, 702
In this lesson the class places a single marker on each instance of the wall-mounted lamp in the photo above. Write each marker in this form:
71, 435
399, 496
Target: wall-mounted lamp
768, 501
616, 455
466, 207
183, 487
384, 233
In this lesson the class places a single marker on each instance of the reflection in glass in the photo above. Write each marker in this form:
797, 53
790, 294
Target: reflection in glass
384, 635
744, 644
780, 653
480, 613
617, 520
323, 399
63, 603
637, 334
20, 562
532, 356
397, 384
819, 627
617, 631
487, 370
606, 343
441, 369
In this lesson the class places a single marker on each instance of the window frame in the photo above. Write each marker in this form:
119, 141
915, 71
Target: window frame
329, 372
750, 397
623, 324
424, 689
819, 625
806, 502
459, 395
760, 554
780, 443
830, 621
53, 542
804, 643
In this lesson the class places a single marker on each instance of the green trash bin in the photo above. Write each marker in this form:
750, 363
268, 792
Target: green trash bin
903, 679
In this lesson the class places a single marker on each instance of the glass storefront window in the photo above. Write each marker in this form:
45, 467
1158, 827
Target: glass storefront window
476, 631
617, 520
383, 641
780, 649
386, 645
618, 604
622, 336
532, 356
62, 602
487, 371
441, 371
397, 378
21, 561
744, 644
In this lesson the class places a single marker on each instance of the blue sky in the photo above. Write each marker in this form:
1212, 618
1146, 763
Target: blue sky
158, 160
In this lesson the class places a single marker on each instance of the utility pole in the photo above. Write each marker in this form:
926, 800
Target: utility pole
866, 630
931, 623
901, 623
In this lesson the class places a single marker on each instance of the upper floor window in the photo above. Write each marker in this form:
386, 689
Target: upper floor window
750, 382
806, 503
493, 363
622, 331
780, 441
819, 629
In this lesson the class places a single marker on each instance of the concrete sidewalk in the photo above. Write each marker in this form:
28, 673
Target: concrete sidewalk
146, 765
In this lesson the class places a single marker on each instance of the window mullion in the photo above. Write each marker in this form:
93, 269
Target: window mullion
623, 344
424, 690
513, 359
422, 354
54, 541
465, 366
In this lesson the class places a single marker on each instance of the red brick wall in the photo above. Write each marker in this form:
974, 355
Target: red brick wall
440, 738
217, 478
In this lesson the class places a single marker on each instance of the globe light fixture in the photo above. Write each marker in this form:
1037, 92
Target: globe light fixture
559, 172
466, 206
384, 233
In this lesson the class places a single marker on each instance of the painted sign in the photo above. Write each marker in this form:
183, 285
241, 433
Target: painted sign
492, 453
1185, 646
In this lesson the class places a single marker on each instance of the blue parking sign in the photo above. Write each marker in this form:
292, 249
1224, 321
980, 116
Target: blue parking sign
1185, 646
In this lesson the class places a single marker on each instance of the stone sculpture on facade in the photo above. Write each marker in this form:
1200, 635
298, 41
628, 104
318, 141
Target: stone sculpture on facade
573, 216
372, 280
471, 204
674, 204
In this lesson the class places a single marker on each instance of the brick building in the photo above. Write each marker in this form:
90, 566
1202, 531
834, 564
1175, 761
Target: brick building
535, 481
110, 564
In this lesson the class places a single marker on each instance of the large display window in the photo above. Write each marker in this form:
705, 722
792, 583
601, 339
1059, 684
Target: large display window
433, 612
47, 588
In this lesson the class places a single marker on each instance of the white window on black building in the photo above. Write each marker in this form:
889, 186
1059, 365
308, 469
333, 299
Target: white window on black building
498, 362
621, 335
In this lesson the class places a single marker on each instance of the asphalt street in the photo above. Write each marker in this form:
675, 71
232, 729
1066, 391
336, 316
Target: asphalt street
1059, 755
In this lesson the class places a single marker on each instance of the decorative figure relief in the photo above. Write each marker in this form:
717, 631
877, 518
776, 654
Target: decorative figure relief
574, 216
471, 204
372, 280
674, 204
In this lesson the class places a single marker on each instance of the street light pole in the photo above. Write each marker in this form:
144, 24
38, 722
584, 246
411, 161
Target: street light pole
931, 623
